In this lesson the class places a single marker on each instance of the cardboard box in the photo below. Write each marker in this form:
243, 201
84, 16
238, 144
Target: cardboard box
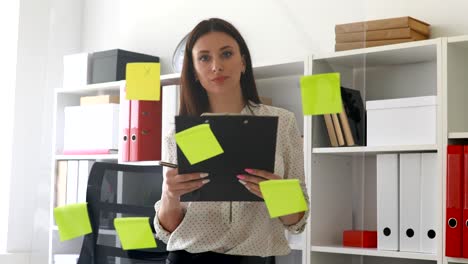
99, 99
360, 238
91, 129
76, 70
404, 121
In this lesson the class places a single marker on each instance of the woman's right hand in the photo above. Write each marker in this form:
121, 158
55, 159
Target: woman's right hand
170, 213
176, 185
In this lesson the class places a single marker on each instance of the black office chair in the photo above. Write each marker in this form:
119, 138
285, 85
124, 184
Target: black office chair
117, 190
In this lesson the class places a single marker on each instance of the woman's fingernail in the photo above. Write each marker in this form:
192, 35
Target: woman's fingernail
243, 182
249, 170
203, 175
205, 181
240, 176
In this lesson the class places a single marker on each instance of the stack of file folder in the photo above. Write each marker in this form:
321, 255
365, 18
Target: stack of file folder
407, 202
348, 127
379, 32
142, 130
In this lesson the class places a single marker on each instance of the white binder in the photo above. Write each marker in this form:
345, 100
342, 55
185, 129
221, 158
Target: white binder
387, 202
410, 202
429, 202
84, 167
72, 181
170, 109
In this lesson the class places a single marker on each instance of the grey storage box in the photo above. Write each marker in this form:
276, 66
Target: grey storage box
110, 65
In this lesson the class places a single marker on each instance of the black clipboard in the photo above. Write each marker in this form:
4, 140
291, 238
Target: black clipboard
247, 141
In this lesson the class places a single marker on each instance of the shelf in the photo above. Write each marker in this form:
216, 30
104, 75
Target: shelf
458, 41
458, 135
87, 157
374, 150
372, 252
90, 89
260, 72
93, 88
403, 53
295, 68
142, 163
170, 79
457, 260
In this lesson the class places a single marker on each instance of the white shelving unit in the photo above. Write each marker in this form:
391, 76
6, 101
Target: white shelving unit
71, 97
375, 150
455, 107
277, 81
343, 179
280, 82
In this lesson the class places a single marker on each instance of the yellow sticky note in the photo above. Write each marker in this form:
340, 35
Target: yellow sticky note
321, 94
72, 221
198, 143
134, 232
143, 80
283, 197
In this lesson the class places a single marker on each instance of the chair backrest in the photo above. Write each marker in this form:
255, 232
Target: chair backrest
117, 190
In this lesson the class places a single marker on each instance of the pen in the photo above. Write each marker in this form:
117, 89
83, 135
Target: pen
167, 164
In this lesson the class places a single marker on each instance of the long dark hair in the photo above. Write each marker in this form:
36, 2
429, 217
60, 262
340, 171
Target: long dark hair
193, 97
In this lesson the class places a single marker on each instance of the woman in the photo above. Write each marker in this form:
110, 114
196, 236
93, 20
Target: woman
217, 77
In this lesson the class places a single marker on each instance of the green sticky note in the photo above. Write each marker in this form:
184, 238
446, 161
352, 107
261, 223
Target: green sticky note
134, 232
72, 221
143, 81
321, 94
198, 143
283, 197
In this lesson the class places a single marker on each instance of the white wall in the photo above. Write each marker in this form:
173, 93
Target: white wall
9, 28
30, 81
275, 30
101, 25
48, 29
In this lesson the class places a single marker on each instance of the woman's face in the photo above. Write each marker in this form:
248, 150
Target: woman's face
218, 63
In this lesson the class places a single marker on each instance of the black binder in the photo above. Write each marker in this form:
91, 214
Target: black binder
356, 113
247, 141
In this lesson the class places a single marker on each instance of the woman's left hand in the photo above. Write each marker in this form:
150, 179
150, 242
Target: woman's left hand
252, 182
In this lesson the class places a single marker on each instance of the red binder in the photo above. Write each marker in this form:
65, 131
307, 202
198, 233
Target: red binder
465, 204
125, 136
360, 238
145, 131
453, 223
125, 144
